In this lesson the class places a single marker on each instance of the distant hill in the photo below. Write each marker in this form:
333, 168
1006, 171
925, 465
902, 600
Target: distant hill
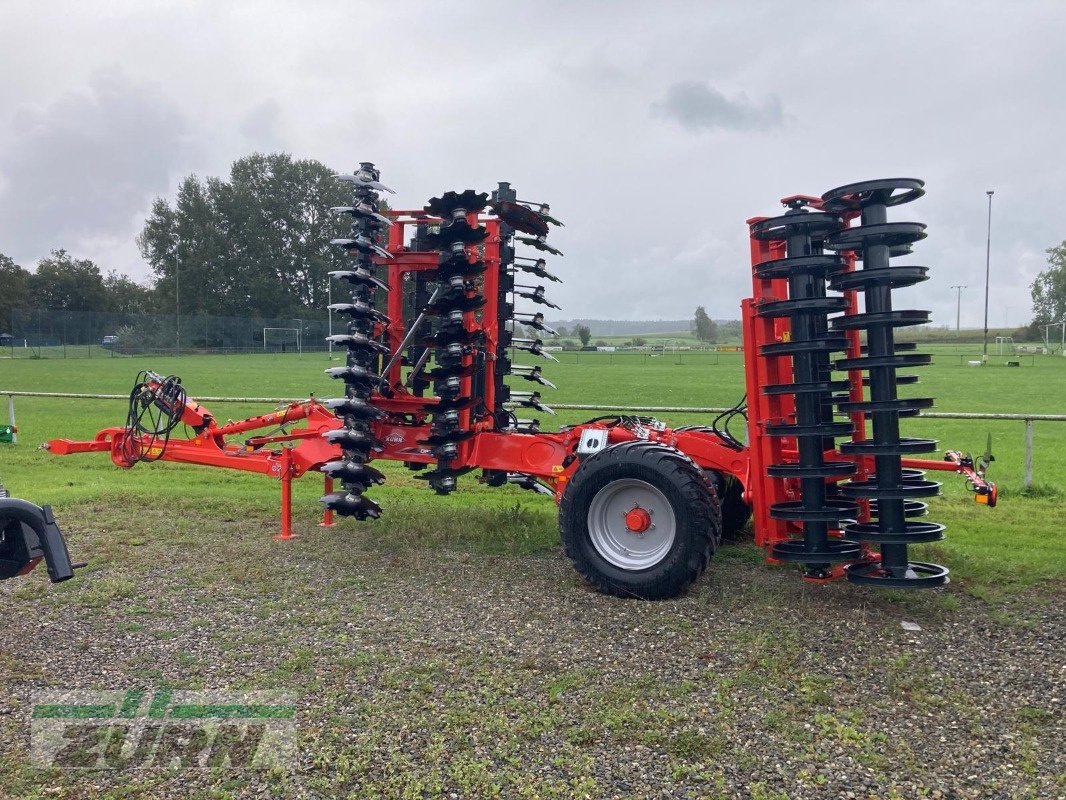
626, 327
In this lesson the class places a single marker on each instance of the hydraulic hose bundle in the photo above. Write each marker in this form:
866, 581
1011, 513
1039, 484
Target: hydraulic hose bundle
359, 375
459, 338
875, 241
155, 409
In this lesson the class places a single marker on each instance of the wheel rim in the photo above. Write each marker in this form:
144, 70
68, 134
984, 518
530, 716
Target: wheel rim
611, 513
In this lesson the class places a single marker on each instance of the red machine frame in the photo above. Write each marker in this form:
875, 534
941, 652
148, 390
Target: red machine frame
549, 458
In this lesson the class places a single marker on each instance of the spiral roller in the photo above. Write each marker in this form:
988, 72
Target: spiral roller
891, 489
355, 409
459, 339
807, 308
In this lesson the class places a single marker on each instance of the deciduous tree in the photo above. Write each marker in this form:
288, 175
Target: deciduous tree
1049, 289
705, 328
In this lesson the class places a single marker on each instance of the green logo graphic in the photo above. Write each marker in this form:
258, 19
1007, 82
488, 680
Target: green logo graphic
165, 728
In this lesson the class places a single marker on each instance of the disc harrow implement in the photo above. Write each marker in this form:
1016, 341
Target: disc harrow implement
443, 298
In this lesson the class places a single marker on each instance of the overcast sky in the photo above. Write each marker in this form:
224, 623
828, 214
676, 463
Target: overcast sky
654, 129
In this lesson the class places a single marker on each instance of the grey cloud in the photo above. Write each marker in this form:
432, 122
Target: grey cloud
261, 125
85, 164
699, 107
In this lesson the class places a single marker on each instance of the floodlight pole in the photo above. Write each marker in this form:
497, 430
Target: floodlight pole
958, 307
988, 262
177, 294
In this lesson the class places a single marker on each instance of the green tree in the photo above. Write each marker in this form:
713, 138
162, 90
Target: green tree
257, 243
1049, 289
705, 328
125, 295
64, 283
584, 333
14, 290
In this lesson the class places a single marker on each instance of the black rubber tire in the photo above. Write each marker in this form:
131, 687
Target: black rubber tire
735, 513
692, 498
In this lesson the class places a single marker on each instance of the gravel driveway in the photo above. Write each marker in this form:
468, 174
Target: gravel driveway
430, 673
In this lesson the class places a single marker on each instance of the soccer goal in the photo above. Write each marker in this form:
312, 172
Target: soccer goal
282, 340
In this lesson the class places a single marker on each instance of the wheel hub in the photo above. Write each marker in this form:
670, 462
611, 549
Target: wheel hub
620, 524
638, 520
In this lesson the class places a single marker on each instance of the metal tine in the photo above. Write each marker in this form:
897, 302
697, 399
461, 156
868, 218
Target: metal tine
529, 400
364, 210
363, 245
534, 346
535, 321
363, 181
531, 374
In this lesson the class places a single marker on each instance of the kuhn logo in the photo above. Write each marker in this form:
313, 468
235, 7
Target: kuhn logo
394, 438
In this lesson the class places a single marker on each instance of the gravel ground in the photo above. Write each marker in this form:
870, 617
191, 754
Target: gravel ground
426, 673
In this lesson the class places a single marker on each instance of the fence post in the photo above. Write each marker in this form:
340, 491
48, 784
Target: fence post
11, 417
1028, 453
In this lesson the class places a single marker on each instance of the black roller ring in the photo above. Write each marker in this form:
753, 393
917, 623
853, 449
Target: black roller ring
459, 268
919, 576
836, 550
814, 224
830, 469
871, 319
901, 380
870, 489
816, 387
893, 277
464, 304
825, 345
901, 405
831, 511
911, 508
803, 305
468, 200
904, 446
800, 265
899, 347
883, 191
820, 429
896, 360
456, 232
890, 234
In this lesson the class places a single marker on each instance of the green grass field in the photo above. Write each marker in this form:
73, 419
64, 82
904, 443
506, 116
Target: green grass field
1017, 543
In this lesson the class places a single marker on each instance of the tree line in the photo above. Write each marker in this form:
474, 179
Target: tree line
257, 244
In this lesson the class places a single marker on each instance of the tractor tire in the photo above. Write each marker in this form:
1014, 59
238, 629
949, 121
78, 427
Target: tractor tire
640, 519
735, 513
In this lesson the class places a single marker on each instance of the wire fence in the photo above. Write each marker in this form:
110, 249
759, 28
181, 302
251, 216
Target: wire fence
40, 333
1028, 419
